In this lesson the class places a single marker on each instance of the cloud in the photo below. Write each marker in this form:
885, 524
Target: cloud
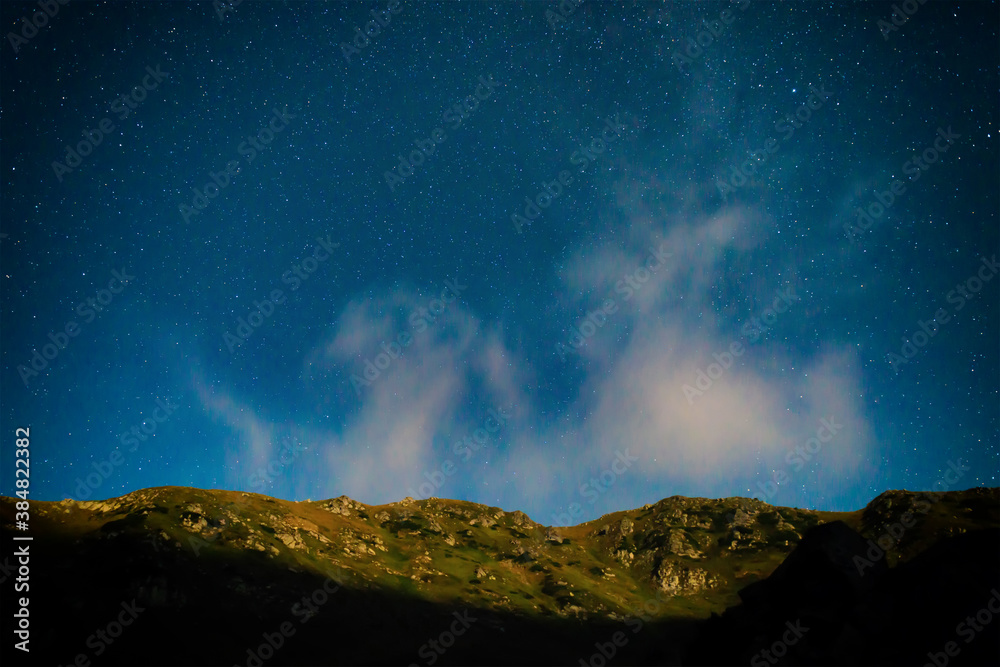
630, 391
386, 446
404, 421
768, 402
255, 436
365, 323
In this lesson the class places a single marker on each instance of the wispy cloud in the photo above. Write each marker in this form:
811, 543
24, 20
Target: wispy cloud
630, 394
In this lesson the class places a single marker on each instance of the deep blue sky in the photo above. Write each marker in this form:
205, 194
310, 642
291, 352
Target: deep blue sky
547, 89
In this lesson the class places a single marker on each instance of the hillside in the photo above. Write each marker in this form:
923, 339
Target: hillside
346, 576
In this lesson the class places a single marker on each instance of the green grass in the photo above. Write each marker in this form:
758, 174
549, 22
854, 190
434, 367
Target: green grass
584, 561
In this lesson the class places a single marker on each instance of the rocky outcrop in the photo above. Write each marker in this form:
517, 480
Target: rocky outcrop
360, 546
194, 522
292, 541
624, 556
521, 520
685, 554
686, 516
744, 531
675, 579
485, 521
679, 545
112, 505
343, 506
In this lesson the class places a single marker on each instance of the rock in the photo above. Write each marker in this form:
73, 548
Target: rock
524, 556
675, 579
617, 530
680, 518
98, 505
343, 506
743, 531
788, 529
292, 541
680, 546
624, 556
196, 523
521, 519
360, 546
487, 521
740, 519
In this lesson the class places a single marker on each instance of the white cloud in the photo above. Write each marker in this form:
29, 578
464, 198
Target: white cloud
631, 395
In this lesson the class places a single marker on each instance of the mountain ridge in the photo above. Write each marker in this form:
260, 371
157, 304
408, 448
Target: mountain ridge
668, 564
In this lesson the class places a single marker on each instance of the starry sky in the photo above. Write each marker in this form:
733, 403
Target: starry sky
565, 258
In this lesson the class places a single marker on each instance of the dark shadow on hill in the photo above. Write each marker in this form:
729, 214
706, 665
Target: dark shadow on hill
220, 609
834, 602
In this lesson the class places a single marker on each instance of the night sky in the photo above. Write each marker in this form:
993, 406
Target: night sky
568, 259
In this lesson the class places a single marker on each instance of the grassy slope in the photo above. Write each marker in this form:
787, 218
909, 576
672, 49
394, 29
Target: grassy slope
434, 548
